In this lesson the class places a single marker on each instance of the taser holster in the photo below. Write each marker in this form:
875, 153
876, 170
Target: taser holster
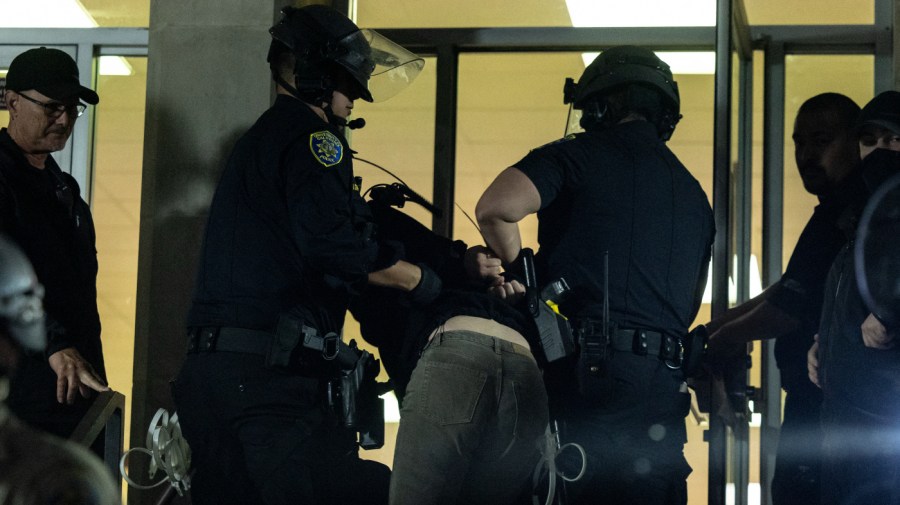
553, 328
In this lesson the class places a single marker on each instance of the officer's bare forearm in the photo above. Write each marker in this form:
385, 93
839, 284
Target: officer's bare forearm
502, 237
401, 275
508, 199
734, 313
764, 321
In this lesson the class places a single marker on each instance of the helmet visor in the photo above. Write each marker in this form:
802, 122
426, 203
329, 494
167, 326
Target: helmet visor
573, 121
393, 68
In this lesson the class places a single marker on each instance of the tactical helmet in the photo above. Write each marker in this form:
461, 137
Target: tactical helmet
623, 65
615, 69
321, 38
21, 310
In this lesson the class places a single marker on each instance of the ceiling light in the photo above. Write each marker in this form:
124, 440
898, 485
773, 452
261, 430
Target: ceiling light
115, 65
616, 13
57, 14
687, 62
45, 14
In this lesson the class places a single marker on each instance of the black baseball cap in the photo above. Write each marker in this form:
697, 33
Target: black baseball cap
883, 111
50, 72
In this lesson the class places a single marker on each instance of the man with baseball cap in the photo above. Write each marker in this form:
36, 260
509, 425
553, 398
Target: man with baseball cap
42, 211
856, 361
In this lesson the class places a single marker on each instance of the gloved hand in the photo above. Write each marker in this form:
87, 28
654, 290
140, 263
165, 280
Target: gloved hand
428, 288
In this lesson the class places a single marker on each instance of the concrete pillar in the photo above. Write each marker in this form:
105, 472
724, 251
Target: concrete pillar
207, 82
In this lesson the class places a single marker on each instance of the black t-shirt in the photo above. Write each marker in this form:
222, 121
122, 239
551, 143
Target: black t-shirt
800, 290
623, 191
43, 212
287, 229
400, 329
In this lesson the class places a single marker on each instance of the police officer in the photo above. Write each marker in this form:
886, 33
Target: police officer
616, 189
289, 240
37, 467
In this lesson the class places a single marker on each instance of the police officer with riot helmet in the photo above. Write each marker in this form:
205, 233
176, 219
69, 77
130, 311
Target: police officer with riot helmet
627, 226
288, 241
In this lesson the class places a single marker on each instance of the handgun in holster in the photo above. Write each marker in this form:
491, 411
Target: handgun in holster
553, 328
352, 392
354, 395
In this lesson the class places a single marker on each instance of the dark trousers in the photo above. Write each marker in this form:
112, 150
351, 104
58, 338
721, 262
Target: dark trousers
33, 399
797, 461
262, 436
473, 414
630, 420
860, 458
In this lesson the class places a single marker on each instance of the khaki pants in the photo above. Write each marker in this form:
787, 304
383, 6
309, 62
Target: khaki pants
472, 417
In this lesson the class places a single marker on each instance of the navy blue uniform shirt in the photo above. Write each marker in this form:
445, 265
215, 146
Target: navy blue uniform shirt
622, 190
287, 230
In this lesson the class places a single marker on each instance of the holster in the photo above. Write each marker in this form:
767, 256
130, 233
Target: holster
352, 392
694, 351
556, 340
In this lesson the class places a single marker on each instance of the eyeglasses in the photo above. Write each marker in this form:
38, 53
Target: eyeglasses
55, 109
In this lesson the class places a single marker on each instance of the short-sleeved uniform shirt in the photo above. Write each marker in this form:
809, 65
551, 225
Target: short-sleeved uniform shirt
800, 290
622, 191
287, 229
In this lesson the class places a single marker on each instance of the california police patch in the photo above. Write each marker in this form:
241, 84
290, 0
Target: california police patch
326, 147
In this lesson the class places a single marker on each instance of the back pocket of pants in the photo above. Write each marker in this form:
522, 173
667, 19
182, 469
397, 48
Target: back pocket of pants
450, 393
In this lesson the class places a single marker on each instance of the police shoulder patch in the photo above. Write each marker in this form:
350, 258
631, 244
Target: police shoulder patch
567, 138
326, 148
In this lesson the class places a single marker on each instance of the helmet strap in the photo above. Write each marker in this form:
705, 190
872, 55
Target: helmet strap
313, 94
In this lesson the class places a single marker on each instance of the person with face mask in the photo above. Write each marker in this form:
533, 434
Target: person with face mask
860, 381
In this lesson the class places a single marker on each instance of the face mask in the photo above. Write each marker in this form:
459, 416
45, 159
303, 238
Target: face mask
879, 166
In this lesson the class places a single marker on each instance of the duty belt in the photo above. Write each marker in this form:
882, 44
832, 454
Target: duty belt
247, 341
639, 341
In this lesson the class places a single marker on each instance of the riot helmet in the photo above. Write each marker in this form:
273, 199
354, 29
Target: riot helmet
21, 310
324, 41
637, 72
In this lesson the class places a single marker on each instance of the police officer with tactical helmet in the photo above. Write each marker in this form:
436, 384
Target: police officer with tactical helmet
288, 241
615, 196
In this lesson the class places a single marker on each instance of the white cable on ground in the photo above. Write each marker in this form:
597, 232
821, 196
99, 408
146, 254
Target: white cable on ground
168, 451
550, 449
